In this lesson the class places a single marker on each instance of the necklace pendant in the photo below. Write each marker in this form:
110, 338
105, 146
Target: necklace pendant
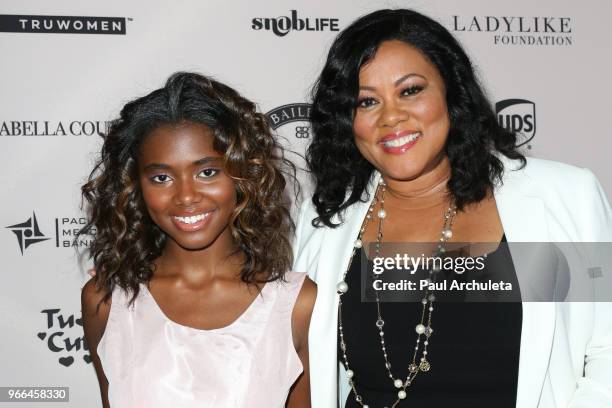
424, 366
413, 368
447, 233
380, 323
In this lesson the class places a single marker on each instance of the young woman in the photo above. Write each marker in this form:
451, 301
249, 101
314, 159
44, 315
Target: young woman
406, 148
193, 303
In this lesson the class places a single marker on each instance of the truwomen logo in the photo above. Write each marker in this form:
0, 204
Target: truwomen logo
13, 23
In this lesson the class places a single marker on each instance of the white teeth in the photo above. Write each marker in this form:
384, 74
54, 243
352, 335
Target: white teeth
191, 220
400, 141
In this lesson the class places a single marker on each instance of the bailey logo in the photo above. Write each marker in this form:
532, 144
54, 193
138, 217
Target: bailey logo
293, 112
282, 25
518, 116
291, 123
28, 233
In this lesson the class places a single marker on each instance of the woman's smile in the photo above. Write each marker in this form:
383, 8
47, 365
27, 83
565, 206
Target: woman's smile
399, 142
195, 222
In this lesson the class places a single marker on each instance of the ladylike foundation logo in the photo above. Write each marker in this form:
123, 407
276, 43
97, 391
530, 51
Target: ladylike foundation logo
518, 30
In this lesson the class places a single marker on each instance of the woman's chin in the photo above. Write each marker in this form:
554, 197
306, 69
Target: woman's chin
401, 174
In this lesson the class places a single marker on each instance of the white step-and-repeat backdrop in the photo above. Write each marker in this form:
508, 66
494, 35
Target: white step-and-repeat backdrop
69, 66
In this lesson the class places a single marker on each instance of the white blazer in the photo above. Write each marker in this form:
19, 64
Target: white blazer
566, 348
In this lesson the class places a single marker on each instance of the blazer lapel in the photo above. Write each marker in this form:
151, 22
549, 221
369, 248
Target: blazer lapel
333, 260
523, 217
337, 251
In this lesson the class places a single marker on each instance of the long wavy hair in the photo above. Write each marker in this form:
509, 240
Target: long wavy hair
127, 241
341, 174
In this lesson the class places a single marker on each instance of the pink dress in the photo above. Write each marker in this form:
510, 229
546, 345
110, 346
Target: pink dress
151, 361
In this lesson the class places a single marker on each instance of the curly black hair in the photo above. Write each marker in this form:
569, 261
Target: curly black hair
341, 174
127, 241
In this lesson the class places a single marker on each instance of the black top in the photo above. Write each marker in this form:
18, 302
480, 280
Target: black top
473, 351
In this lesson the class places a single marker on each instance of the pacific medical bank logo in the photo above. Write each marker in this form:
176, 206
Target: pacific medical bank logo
21, 23
29, 232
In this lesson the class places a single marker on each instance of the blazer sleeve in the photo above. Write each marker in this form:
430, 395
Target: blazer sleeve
595, 387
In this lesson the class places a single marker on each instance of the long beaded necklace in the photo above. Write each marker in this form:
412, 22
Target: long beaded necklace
423, 329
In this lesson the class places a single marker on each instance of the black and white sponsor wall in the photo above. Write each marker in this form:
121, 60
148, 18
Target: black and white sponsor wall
68, 67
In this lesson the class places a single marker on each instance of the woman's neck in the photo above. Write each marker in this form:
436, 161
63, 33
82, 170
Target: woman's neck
218, 260
428, 190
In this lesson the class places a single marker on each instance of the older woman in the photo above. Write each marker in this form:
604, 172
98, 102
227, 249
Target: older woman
406, 148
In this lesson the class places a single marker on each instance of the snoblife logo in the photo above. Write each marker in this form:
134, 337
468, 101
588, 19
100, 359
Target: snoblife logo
66, 232
53, 127
15, 23
518, 116
518, 30
281, 26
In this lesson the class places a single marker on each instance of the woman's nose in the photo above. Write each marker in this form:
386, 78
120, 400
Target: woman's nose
187, 193
392, 114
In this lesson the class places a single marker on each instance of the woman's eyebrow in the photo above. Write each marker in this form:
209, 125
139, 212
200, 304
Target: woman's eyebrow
396, 83
199, 162
206, 160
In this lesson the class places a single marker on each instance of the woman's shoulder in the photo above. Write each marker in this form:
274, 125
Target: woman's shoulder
539, 167
549, 177
307, 293
300, 285
568, 192
95, 311
92, 299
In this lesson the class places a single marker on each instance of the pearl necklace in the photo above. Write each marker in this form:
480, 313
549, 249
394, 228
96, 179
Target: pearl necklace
423, 328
